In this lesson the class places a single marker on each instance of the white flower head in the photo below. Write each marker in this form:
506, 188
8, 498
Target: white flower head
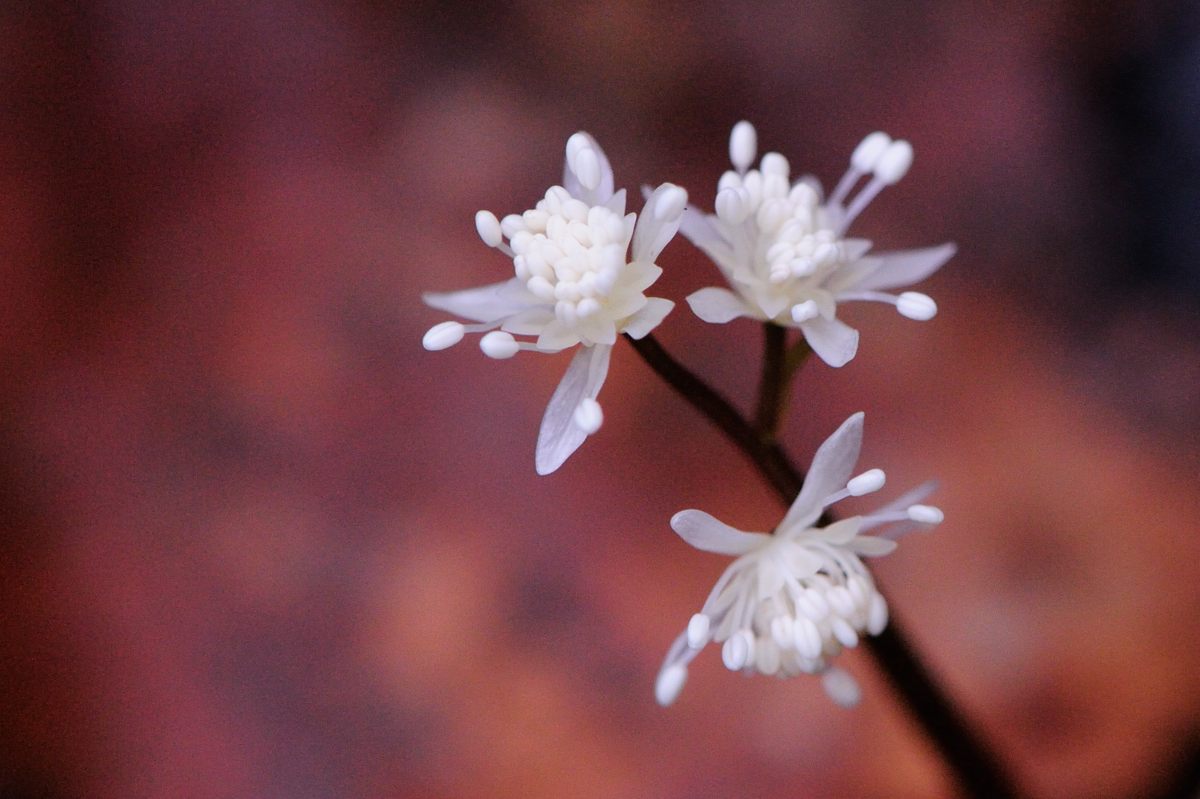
573, 286
793, 600
783, 247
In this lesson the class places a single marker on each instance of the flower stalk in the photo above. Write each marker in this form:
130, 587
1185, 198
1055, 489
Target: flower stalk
974, 766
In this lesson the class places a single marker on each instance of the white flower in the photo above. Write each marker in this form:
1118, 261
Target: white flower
573, 286
784, 250
793, 600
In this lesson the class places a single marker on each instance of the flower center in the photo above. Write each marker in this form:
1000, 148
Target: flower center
569, 253
794, 240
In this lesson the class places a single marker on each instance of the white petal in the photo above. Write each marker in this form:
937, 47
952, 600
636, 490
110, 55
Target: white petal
717, 305
560, 435
698, 228
658, 222
649, 317
840, 532
485, 303
906, 267
871, 546
833, 340
711, 535
831, 468
616, 203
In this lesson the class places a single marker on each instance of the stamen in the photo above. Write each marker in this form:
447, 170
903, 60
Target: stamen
861, 201
866, 483
868, 152
443, 335
917, 306
733, 205
738, 650
841, 687
670, 202
588, 415
670, 684
877, 614
926, 514
499, 345
743, 145
488, 227
698, 631
844, 633
894, 162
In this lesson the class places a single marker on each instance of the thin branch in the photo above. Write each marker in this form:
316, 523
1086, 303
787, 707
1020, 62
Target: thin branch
978, 771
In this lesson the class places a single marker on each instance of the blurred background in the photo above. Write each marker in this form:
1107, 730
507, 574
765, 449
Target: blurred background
260, 543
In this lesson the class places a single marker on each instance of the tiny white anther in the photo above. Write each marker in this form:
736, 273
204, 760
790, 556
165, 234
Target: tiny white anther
743, 145
738, 650
841, 687
775, 164
893, 164
729, 180
840, 600
916, 305
488, 227
697, 630
587, 307
877, 614
818, 607
510, 225
807, 638
804, 311
868, 151
443, 335
577, 141
844, 633
926, 514
825, 252
867, 482
499, 345
670, 684
782, 632
803, 266
588, 415
766, 656
732, 205
670, 203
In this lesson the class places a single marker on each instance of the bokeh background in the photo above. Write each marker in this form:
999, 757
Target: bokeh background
259, 543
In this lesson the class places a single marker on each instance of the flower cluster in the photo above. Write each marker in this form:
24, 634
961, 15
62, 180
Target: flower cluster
792, 599
574, 286
783, 247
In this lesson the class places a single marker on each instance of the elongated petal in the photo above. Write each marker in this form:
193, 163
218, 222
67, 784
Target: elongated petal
485, 303
906, 267
871, 546
698, 228
649, 317
831, 469
616, 203
717, 306
659, 222
559, 435
833, 340
840, 532
711, 535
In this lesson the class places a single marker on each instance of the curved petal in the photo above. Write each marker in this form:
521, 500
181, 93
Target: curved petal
717, 305
649, 317
559, 436
698, 228
616, 203
872, 546
485, 303
831, 469
711, 535
840, 532
906, 267
833, 340
659, 222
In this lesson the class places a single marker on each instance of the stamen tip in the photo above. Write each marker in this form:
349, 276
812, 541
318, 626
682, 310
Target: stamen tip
867, 153
443, 335
589, 416
893, 164
670, 684
804, 311
488, 227
915, 305
926, 514
670, 202
499, 345
743, 145
866, 483
697, 631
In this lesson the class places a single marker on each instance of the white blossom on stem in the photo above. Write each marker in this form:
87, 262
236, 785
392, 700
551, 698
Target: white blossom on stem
793, 600
783, 247
574, 286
